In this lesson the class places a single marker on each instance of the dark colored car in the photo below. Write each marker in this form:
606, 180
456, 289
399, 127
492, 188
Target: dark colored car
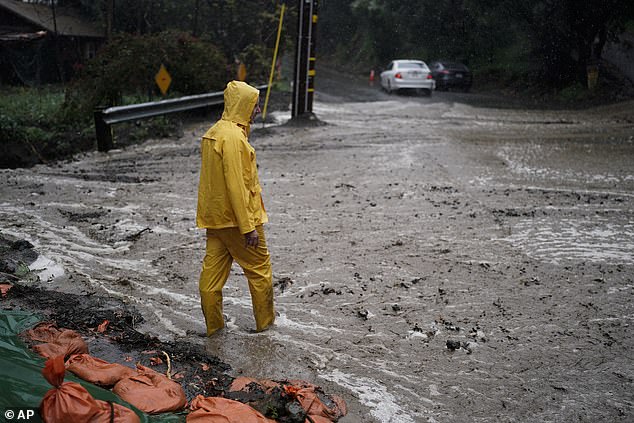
450, 75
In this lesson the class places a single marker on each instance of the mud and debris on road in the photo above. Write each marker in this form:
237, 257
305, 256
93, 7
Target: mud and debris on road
434, 259
119, 339
94, 333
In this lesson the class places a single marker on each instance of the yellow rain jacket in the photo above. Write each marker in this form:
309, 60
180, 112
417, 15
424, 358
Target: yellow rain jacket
229, 193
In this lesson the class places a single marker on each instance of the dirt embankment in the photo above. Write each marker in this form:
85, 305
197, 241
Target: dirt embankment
108, 326
121, 342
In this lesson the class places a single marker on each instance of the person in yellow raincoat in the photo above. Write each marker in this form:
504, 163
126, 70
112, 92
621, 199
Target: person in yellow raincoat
230, 207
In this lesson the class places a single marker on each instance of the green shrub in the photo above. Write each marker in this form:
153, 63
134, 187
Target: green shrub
48, 123
127, 66
574, 93
30, 127
32, 105
259, 63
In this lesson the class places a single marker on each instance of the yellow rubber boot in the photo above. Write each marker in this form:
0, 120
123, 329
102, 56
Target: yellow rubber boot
223, 246
216, 268
256, 264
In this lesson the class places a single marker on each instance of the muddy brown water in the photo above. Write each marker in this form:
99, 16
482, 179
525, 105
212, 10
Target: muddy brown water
434, 260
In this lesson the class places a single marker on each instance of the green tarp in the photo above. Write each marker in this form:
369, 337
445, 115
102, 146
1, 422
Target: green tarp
21, 382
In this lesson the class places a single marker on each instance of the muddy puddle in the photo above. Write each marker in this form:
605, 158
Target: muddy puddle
433, 261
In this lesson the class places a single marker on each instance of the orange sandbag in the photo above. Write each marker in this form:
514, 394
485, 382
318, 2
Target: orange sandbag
110, 412
315, 402
4, 288
66, 401
329, 408
70, 402
43, 332
64, 342
223, 410
241, 384
97, 371
151, 392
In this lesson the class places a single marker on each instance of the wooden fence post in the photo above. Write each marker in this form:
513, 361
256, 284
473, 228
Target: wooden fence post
103, 131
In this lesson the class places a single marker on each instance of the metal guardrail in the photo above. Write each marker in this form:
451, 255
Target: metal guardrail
105, 118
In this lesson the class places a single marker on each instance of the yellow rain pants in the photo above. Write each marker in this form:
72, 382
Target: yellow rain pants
223, 246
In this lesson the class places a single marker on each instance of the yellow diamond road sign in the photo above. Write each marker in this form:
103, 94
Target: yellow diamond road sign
163, 79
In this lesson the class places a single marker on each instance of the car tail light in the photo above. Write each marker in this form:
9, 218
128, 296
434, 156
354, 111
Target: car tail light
398, 76
445, 71
429, 76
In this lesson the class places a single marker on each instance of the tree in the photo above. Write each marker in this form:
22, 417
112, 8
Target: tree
551, 40
567, 35
109, 19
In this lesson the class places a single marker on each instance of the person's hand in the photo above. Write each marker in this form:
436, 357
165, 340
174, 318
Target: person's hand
252, 239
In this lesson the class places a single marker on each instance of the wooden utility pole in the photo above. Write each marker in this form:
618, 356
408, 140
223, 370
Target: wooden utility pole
304, 79
196, 12
109, 19
58, 58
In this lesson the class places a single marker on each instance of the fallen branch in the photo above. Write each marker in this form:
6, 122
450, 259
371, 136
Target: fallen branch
10, 275
137, 235
169, 365
35, 150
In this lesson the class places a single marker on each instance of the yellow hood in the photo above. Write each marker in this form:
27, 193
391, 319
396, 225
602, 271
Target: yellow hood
240, 99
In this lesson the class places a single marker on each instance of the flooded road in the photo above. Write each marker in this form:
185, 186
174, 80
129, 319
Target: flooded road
434, 260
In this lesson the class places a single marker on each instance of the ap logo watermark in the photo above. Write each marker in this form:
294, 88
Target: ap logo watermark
21, 415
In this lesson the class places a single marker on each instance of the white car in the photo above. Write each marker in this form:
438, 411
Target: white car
407, 74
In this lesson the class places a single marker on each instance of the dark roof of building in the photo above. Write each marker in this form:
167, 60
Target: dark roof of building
69, 23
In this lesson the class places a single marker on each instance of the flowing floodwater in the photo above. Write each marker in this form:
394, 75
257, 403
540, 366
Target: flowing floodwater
597, 240
433, 261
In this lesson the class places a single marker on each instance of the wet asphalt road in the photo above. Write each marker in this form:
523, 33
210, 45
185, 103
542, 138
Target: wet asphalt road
434, 259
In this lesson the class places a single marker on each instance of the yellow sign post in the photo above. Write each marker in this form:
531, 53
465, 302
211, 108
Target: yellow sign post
163, 79
277, 46
593, 76
242, 72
